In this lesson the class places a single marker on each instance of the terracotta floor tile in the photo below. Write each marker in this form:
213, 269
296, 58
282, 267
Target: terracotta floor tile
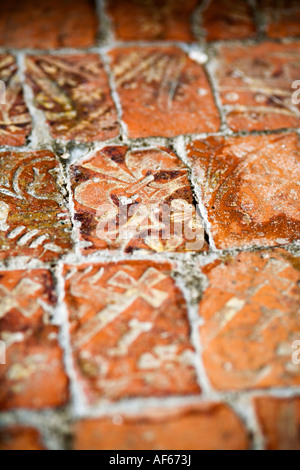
33, 376
280, 422
48, 23
129, 331
203, 427
255, 83
73, 91
251, 320
34, 222
250, 188
135, 199
228, 19
163, 92
15, 120
152, 19
20, 438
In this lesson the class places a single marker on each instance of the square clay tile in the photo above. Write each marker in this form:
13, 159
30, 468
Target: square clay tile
279, 420
250, 188
228, 19
251, 320
255, 84
48, 24
200, 427
20, 438
282, 17
130, 333
163, 92
34, 221
15, 120
73, 91
152, 20
33, 376
135, 199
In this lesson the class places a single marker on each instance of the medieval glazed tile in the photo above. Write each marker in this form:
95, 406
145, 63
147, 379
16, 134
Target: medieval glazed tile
282, 17
279, 420
33, 376
48, 24
255, 83
163, 92
202, 427
250, 188
228, 19
152, 20
251, 320
34, 222
20, 438
15, 121
73, 92
129, 331
135, 199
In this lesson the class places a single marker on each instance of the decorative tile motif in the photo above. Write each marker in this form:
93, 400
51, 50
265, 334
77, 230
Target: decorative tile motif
15, 121
163, 92
251, 321
73, 91
129, 331
152, 19
228, 19
250, 188
279, 420
255, 83
282, 17
33, 376
48, 24
206, 427
135, 199
34, 222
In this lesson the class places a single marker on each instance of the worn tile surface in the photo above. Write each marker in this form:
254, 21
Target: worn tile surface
135, 199
282, 17
15, 120
228, 19
152, 19
255, 84
34, 222
279, 420
250, 188
163, 92
129, 331
48, 24
251, 320
73, 91
33, 376
206, 427
20, 438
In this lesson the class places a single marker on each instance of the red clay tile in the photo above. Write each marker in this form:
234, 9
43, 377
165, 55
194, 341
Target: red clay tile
135, 199
48, 23
34, 221
251, 320
15, 121
202, 427
280, 422
163, 92
73, 91
282, 17
152, 19
129, 331
250, 188
228, 19
255, 83
20, 438
33, 376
